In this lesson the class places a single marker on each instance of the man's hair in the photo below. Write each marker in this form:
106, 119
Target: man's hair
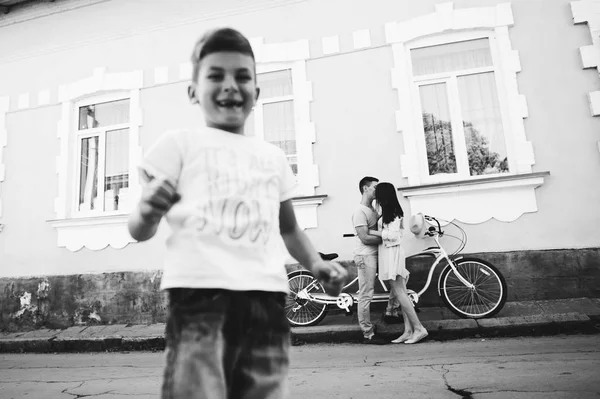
364, 181
218, 40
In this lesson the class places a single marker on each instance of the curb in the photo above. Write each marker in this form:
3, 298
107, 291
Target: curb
442, 330
439, 330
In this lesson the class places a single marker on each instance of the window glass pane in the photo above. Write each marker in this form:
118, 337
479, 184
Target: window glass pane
438, 129
482, 123
280, 130
451, 57
275, 84
88, 179
103, 114
116, 171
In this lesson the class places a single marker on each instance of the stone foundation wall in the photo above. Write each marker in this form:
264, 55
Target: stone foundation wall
134, 297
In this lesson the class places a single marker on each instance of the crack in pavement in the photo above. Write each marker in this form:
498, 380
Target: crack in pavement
68, 393
463, 393
79, 395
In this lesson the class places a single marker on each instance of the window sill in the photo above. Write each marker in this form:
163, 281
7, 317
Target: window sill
504, 197
306, 210
94, 233
97, 233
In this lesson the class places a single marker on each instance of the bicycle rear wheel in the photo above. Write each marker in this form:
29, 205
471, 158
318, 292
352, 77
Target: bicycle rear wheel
303, 312
485, 299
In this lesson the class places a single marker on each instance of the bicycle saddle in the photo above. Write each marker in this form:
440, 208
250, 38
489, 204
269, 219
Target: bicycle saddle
328, 256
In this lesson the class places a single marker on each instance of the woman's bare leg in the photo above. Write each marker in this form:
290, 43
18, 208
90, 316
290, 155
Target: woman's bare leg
419, 332
395, 285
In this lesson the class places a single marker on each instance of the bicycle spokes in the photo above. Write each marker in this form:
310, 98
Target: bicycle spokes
299, 309
483, 296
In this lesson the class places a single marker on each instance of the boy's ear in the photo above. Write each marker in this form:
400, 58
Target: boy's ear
257, 94
192, 93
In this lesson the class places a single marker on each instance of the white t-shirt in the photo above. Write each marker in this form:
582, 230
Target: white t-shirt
364, 216
225, 228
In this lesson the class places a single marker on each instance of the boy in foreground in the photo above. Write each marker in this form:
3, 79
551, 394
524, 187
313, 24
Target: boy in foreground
227, 198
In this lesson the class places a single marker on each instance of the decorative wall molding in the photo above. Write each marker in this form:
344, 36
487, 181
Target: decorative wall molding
4, 106
306, 210
331, 44
23, 101
588, 12
93, 232
504, 199
361, 38
447, 25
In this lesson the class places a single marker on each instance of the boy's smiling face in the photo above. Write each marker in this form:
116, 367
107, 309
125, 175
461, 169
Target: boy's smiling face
226, 90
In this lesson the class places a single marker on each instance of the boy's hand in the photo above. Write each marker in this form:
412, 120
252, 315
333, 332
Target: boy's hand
331, 275
158, 196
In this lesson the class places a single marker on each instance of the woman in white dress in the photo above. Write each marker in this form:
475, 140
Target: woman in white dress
392, 260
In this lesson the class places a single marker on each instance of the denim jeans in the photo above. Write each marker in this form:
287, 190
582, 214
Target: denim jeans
226, 344
366, 266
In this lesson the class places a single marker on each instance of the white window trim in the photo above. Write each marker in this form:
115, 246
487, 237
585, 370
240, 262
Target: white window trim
306, 210
77, 230
449, 79
504, 198
293, 55
308, 176
308, 173
4, 106
79, 135
448, 25
587, 12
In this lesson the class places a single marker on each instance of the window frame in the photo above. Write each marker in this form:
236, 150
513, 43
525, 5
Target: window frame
76, 231
450, 78
259, 106
308, 172
101, 132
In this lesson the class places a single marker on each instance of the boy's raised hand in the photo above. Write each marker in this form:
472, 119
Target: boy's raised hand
332, 276
158, 196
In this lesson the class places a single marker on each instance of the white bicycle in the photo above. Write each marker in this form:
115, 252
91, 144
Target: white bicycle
470, 287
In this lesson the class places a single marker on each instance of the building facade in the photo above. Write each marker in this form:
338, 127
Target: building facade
481, 112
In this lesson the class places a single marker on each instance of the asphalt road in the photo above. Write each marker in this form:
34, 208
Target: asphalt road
542, 367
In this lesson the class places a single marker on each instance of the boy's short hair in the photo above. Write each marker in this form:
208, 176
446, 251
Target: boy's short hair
217, 40
366, 180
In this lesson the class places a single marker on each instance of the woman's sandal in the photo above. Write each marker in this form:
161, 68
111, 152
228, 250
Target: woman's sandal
417, 338
401, 338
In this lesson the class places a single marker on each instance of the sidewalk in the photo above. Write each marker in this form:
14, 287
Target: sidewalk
579, 315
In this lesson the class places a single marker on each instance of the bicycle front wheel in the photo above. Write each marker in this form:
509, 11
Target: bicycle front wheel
299, 311
487, 296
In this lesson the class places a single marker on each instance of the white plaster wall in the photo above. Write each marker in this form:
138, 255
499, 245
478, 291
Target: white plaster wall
353, 109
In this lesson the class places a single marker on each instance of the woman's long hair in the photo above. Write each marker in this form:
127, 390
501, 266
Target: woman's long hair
385, 195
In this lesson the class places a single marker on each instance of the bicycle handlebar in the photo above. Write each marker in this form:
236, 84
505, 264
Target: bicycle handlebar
432, 230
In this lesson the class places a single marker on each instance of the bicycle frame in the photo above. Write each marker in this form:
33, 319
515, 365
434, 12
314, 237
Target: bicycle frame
342, 300
345, 299
440, 254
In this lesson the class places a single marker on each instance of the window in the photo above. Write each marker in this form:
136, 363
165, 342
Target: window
273, 118
103, 157
461, 115
461, 120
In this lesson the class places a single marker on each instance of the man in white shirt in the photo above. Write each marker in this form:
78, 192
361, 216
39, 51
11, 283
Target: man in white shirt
365, 257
